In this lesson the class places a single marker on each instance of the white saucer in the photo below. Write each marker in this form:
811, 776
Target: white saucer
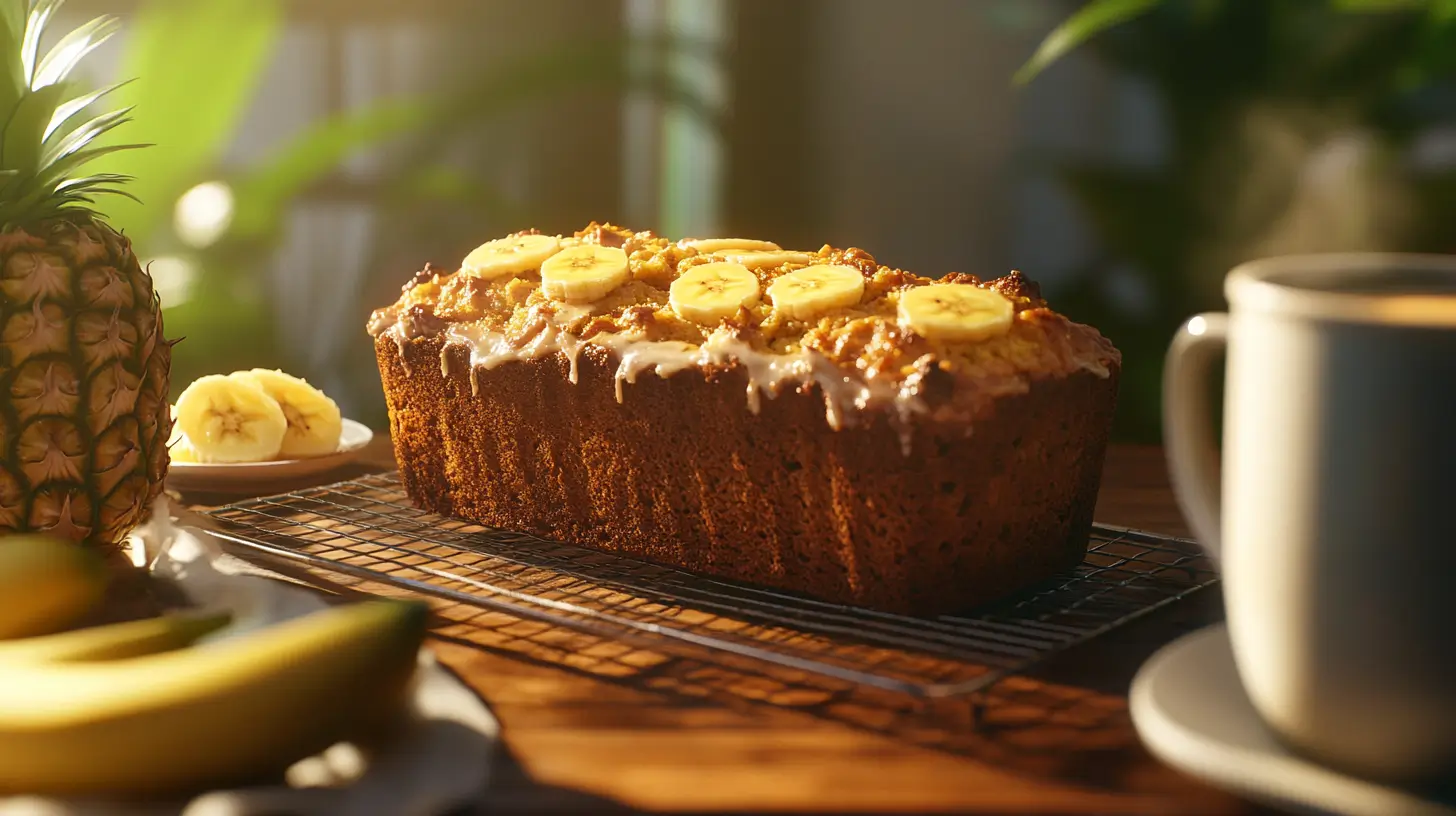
1190, 709
194, 476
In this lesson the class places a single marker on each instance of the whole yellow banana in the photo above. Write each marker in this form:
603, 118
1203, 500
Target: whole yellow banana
114, 641
217, 714
46, 584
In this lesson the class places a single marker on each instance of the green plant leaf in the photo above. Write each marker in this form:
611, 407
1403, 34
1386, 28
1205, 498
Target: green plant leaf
1378, 5
1138, 215
599, 64
58, 62
12, 20
1434, 57
36, 20
66, 110
84, 135
45, 184
579, 66
66, 166
13, 79
12, 75
197, 65
1435, 197
23, 135
1088, 21
262, 194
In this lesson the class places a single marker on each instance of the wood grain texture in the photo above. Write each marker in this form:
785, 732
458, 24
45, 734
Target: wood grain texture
600, 726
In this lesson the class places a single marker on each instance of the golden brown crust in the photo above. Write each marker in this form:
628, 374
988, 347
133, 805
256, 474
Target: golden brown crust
864, 338
948, 474
682, 474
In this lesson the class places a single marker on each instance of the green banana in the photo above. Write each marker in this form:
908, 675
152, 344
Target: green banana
114, 641
217, 714
46, 584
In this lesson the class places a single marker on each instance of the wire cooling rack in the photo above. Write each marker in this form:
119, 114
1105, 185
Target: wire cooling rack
368, 529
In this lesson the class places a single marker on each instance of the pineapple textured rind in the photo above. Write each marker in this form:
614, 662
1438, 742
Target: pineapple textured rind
83, 365
84, 418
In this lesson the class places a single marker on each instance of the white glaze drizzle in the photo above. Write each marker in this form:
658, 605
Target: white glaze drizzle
768, 373
387, 321
845, 393
572, 350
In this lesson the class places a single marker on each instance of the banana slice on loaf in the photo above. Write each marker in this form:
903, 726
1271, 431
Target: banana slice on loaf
583, 274
708, 245
767, 259
807, 293
504, 257
709, 293
955, 311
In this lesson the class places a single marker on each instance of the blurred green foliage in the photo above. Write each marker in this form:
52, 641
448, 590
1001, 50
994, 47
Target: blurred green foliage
196, 68
1306, 71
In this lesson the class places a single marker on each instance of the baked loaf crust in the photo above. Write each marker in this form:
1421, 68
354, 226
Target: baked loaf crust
846, 457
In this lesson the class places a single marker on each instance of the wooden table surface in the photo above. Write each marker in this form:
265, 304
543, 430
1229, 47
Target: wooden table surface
601, 731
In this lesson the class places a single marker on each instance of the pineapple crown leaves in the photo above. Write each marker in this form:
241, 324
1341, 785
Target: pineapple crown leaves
44, 141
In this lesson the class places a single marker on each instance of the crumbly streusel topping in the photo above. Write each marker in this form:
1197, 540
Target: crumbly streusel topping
869, 337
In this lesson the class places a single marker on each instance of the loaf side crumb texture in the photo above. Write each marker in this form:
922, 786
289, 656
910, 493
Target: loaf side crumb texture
683, 474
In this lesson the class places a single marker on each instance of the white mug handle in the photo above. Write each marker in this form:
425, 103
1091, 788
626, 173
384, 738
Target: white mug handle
1188, 427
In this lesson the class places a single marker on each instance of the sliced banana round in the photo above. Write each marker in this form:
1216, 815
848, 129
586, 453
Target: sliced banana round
709, 293
585, 273
504, 257
806, 293
720, 244
229, 420
314, 421
767, 259
955, 311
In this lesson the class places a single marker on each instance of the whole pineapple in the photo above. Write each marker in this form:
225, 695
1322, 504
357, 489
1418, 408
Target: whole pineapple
84, 417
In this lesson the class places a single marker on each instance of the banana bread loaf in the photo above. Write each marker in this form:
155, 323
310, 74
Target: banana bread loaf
810, 421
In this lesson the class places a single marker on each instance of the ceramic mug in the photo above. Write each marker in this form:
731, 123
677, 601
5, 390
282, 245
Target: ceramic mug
1335, 524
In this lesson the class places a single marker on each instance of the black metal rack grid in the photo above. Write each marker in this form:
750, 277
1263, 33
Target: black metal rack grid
369, 530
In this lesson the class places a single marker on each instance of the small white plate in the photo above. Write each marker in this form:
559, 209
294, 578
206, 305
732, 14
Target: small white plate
244, 475
1191, 711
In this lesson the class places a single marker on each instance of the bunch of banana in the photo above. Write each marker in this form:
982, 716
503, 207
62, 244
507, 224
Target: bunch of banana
142, 708
257, 415
955, 312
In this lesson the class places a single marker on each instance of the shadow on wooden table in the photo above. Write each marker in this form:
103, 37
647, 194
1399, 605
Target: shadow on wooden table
1065, 720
